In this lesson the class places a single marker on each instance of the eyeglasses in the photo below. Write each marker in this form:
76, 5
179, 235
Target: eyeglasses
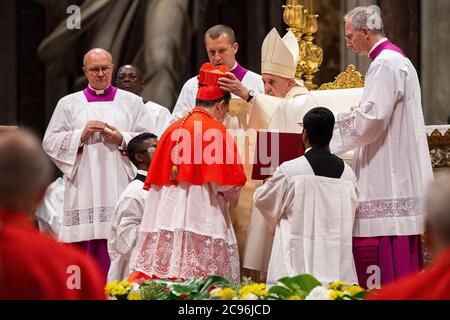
96, 71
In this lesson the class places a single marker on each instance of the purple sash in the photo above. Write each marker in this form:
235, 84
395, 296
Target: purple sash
387, 45
239, 72
107, 96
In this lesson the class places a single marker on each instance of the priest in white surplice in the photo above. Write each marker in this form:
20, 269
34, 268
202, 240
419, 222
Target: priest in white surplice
392, 160
128, 213
221, 47
310, 204
281, 108
87, 138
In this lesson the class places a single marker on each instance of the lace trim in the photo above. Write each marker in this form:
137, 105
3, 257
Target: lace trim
65, 145
87, 216
395, 208
346, 124
184, 254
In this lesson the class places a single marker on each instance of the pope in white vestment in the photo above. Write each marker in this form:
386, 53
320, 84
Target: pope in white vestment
281, 108
391, 161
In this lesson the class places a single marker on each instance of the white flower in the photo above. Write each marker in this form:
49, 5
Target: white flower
319, 293
215, 293
135, 287
251, 296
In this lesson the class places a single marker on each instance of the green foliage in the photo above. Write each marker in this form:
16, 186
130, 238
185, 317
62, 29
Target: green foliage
300, 286
191, 289
219, 288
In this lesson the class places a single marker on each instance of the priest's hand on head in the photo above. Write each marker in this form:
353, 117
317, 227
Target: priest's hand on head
112, 135
91, 128
234, 86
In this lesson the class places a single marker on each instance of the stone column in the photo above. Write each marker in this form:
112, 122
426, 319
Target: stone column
435, 65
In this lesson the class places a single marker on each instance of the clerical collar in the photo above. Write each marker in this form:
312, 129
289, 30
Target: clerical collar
239, 71
106, 95
143, 172
141, 175
100, 92
377, 44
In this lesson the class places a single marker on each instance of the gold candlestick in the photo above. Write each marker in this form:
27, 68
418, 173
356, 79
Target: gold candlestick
304, 24
294, 17
311, 55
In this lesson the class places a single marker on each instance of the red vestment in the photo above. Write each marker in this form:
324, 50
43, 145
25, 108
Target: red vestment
226, 169
431, 284
33, 266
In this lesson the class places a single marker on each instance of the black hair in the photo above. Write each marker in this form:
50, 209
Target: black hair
135, 143
209, 104
319, 125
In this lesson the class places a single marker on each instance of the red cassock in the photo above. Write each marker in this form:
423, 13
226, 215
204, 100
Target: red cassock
33, 266
225, 170
431, 284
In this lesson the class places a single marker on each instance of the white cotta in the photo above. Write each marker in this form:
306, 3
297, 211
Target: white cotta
312, 219
392, 160
186, 232
96, 174
125, 226
50, 211
161, 117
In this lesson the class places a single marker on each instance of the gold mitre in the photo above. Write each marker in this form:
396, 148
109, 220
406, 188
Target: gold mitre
280, 56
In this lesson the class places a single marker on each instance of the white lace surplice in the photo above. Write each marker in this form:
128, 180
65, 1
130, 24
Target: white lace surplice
161, 117
312, 218
96, 176
125, 226
392, 162
186, 232
50, 211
